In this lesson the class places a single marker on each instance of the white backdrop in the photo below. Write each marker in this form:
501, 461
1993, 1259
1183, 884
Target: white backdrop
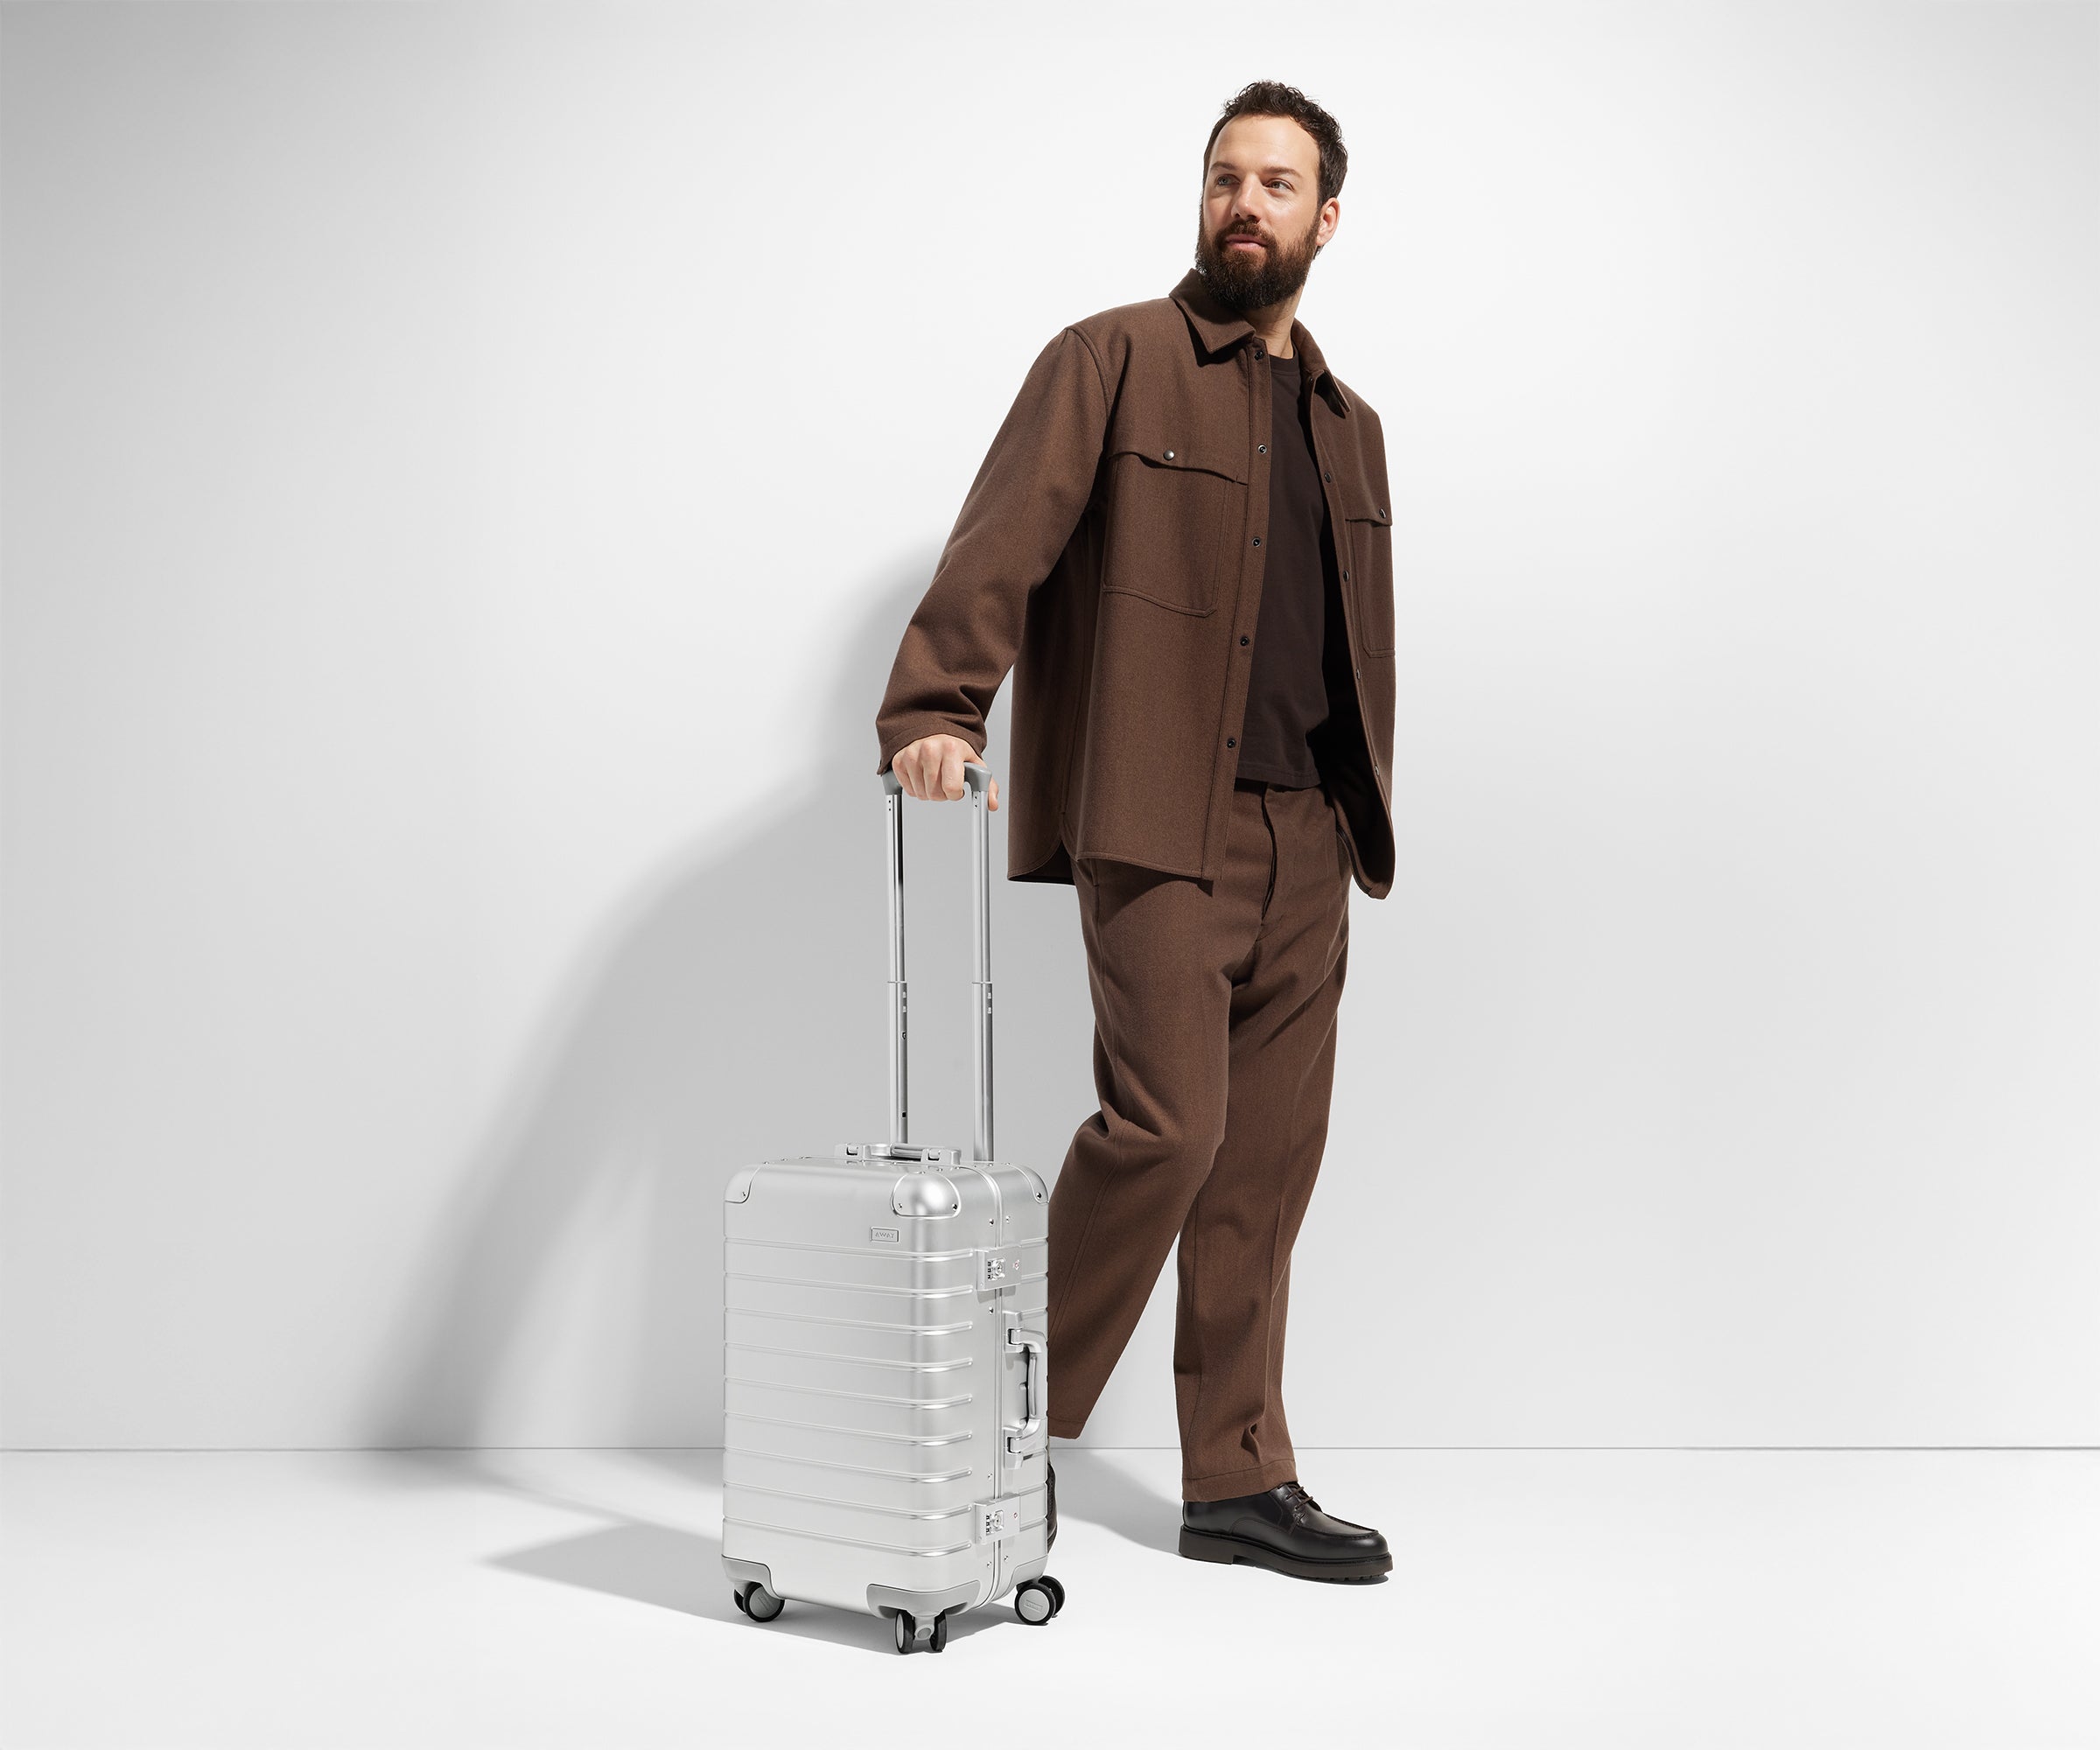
466, 471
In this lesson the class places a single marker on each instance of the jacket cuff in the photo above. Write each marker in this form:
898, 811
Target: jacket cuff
906, 731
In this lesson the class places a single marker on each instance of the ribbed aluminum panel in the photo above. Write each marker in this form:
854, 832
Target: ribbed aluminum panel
869, 1386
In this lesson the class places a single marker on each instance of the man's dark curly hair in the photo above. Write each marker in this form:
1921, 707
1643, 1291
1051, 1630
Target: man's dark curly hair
1271, 97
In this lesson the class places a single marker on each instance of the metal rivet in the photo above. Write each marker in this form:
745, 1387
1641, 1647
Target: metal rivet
1261, 449
1257, 541
1167, 455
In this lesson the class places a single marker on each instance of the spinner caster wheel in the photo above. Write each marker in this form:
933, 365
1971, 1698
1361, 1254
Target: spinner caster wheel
938, 1640
1057, 1593
1035, 1604
907, 1630
757, 1603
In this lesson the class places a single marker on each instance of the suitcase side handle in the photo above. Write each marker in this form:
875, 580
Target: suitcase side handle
977, 778
1035, 1357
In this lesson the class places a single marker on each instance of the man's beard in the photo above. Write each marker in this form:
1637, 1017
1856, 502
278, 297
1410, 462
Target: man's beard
1241, 282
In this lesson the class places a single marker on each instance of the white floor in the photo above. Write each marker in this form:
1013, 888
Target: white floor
1549, 1599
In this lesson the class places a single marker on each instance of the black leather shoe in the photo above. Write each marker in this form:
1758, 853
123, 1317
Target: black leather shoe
1285, 1528
1053, 1470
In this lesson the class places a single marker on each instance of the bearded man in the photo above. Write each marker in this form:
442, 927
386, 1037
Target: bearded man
1180, 544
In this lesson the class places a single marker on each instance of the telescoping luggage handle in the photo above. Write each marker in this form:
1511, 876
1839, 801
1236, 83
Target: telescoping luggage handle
978, 780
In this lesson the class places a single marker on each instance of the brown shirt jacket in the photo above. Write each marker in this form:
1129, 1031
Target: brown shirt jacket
1109, 553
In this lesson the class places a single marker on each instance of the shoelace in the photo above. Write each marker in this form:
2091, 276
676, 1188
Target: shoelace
1298, 1490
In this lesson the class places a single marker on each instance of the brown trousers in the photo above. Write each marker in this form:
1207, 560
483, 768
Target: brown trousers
1213, 1057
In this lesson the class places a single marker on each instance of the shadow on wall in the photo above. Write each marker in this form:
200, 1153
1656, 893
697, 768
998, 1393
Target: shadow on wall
736, 1013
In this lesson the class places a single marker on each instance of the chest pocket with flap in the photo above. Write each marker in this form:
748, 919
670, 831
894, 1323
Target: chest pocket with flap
1174, 508
1370, 520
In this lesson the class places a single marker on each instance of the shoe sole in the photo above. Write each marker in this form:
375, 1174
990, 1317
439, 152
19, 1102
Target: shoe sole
1213, 1546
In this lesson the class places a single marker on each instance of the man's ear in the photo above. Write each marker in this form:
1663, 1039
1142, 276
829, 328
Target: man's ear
1330, 219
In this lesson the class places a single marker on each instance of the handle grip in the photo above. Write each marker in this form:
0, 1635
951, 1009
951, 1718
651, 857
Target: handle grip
976, 775
1035, 1357
977, 778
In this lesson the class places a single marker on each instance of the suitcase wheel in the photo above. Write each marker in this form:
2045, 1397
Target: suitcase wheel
757, 1603
908, 1633
1057, 1592
1035, 1604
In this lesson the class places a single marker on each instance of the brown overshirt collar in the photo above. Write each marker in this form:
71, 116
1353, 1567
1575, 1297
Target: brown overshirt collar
1220, 329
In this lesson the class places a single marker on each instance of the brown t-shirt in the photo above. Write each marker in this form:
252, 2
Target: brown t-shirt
1299, 642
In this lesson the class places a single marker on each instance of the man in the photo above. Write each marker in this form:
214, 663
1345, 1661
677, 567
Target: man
1180, 543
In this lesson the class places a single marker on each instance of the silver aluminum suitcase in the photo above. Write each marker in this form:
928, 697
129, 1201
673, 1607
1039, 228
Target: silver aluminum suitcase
885, 1371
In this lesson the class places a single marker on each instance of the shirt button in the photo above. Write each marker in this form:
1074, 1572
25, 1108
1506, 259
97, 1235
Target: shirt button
1261, 449
1232, 742
1257, 349
1345, 576
1257, 541
1326, 477
1243, 638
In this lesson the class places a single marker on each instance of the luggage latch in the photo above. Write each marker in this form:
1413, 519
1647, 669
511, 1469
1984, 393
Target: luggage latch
997, 1267
993, 1520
